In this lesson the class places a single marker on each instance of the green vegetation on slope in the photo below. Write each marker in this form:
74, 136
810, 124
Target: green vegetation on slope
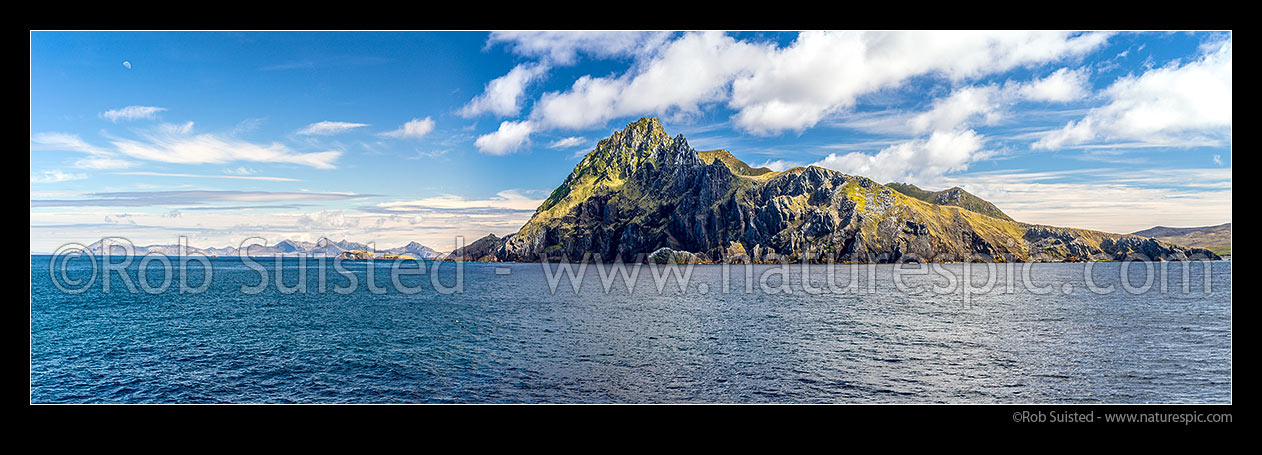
737, 166
608, 165
912, 190
955, 196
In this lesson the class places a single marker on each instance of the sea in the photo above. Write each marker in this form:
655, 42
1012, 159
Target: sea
295, 330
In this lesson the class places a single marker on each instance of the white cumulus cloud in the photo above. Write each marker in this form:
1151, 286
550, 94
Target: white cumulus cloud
507, 139
964, 105
413, 129
1060, 86
915, 160
563, 47
823, 73
778, 165
775, 89
1170, 104
502, 96
686, 73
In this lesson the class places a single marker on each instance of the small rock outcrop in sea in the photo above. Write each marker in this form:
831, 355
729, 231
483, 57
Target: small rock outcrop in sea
355, 254
644, 195
665, 255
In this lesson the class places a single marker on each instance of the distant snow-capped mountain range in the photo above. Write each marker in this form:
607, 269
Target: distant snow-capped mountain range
321, 248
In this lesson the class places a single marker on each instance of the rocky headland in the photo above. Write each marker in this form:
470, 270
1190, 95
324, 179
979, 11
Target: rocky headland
643, 195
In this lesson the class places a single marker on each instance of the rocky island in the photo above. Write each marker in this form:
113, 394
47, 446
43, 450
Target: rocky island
644, 195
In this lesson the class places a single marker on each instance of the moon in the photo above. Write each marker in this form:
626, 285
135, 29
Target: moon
126, 64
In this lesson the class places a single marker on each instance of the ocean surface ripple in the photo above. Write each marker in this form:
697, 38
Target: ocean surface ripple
508, 339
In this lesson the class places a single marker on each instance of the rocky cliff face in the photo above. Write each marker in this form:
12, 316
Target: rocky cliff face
642, 190
482, 250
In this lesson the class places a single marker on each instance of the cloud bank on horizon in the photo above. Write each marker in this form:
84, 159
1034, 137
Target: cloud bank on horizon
424, 136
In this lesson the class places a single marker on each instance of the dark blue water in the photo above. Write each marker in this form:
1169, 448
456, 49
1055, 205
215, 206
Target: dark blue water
507, 338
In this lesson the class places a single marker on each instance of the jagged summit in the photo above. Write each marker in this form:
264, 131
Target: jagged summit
641, 142
646, 128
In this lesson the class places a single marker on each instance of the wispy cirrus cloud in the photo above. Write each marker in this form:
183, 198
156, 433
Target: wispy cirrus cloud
190, 197
327, 128
508, 199
132, 113
184, 147
325, 62
569, 142
177, 143
213, 176
55, 176
233, 208
242, 170
98, 157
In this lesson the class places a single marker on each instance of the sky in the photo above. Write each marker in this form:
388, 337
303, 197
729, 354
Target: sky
393, 137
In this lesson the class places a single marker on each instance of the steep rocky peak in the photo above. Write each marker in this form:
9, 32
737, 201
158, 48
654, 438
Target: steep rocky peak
640, 137
642, 141
617, 158
642, 130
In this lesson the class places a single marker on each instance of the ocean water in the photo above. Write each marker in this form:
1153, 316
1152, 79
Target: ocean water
509, 338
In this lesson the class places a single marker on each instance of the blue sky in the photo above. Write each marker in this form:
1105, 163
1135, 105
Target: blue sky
392, 137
